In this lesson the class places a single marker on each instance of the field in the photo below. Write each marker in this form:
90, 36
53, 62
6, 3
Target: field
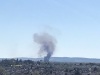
29, 67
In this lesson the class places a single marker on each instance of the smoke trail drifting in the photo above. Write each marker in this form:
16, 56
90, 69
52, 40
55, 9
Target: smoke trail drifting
47, 44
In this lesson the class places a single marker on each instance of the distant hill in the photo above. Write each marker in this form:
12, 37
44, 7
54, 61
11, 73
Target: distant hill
63, 59
74, 59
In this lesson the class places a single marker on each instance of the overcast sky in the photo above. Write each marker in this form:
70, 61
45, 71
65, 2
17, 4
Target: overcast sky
74, 23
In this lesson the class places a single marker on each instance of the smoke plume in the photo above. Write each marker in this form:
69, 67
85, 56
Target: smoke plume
47, 44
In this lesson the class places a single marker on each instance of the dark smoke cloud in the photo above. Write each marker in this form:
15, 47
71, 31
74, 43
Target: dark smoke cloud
47, 44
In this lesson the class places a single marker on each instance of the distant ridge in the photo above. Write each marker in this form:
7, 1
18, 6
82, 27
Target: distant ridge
62, 59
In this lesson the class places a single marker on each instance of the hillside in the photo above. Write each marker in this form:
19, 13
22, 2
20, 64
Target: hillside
63, 59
